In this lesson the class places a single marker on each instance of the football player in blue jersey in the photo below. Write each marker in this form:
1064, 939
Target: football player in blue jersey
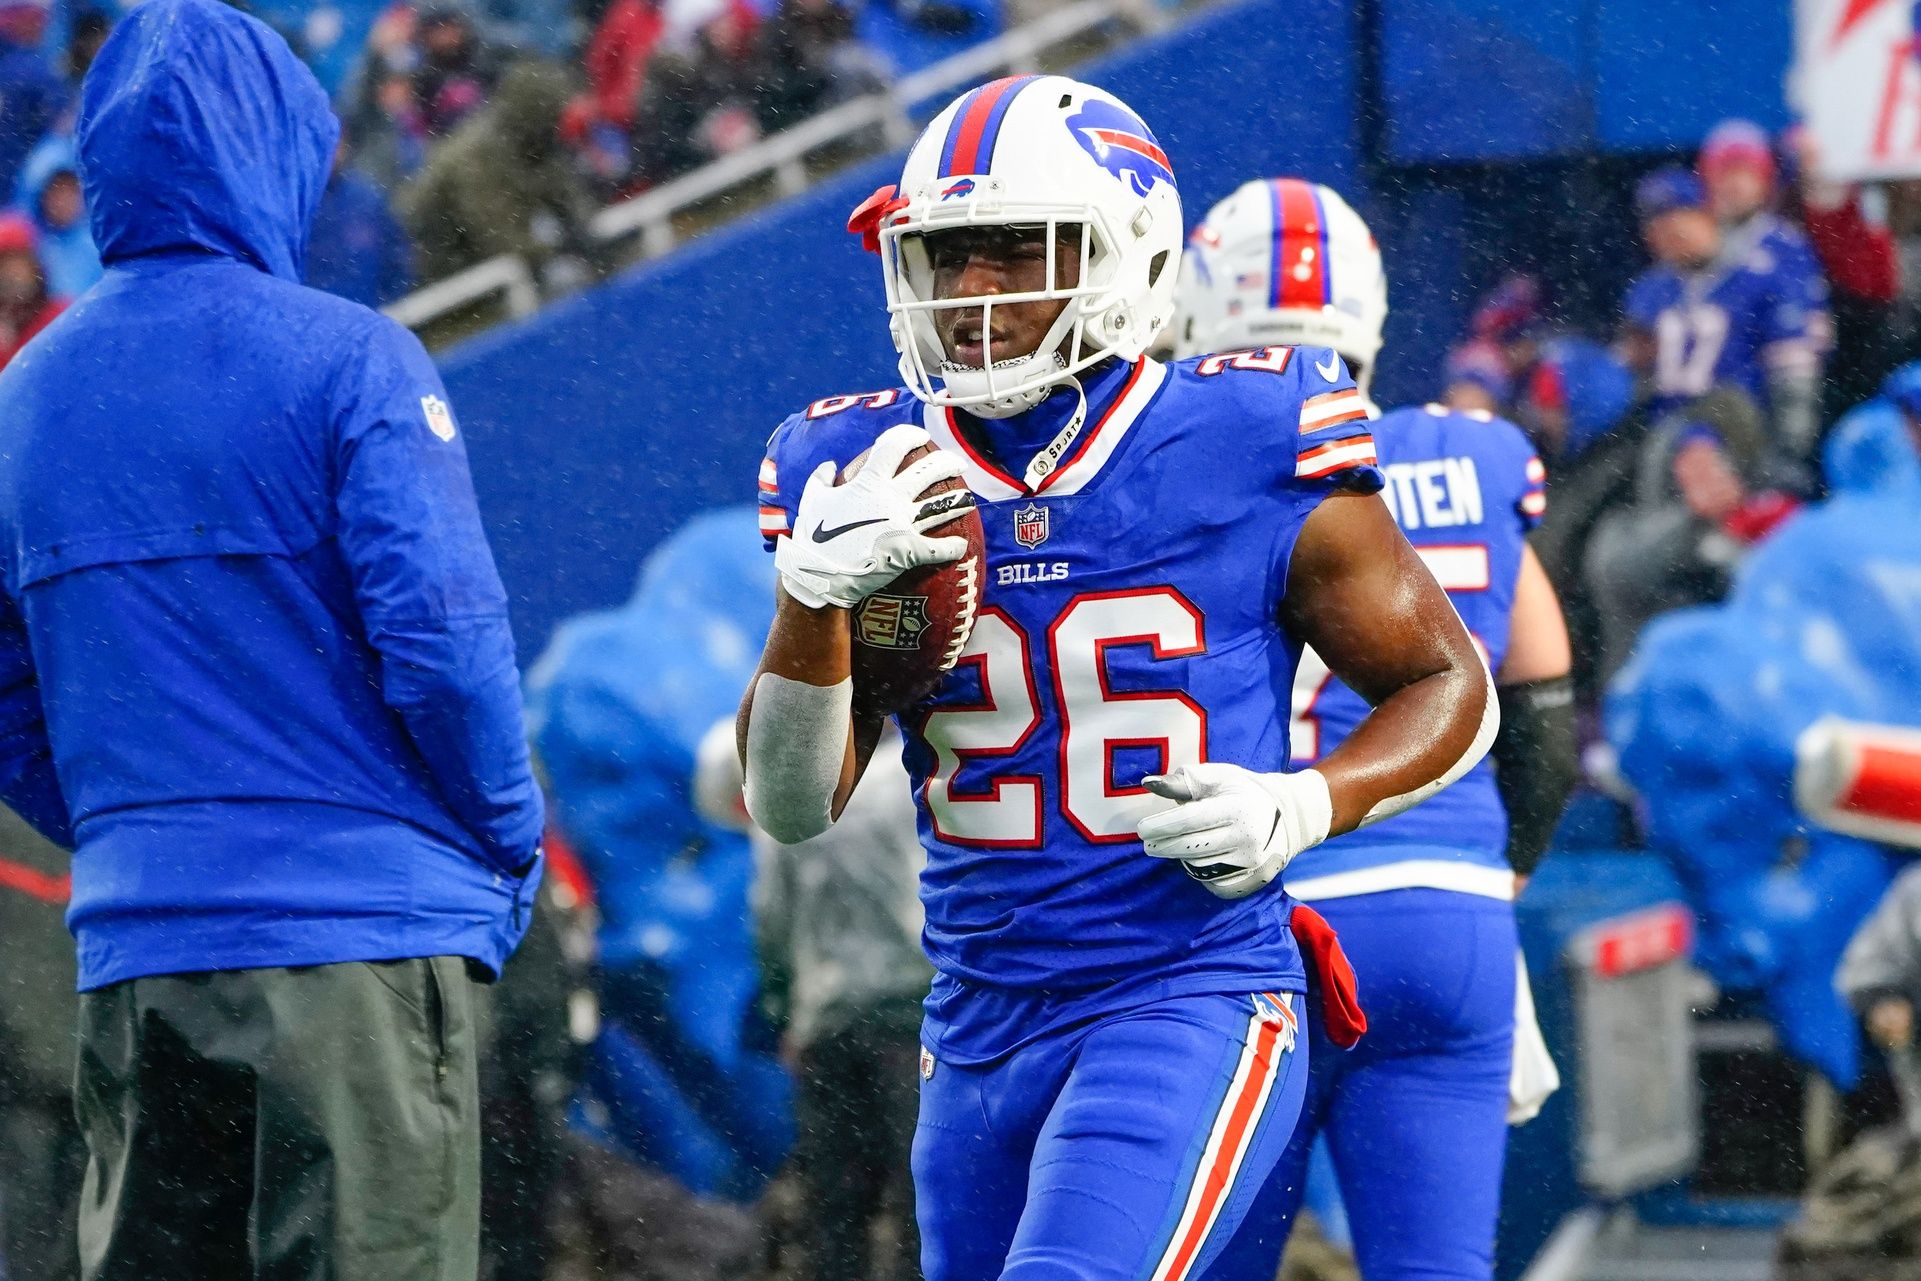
1745, 306
1112, 1057
1415, 1116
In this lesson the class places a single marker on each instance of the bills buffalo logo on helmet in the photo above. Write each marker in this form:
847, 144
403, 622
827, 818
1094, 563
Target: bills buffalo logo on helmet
957, 190
1121, 144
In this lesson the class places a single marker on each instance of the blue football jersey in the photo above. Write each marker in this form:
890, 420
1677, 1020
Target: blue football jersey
1466, 488
1128, 625
1762, 305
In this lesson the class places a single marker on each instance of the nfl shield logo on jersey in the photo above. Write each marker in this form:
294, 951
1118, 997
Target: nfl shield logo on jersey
440, 419
1030, 525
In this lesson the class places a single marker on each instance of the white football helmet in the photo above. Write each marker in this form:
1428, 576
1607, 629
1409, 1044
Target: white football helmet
1043, 152
1283, 262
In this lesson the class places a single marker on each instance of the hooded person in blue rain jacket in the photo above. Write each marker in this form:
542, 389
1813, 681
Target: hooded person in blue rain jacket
50, 195
255, 668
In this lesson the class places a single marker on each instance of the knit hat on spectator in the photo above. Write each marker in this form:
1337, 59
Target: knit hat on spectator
1480, 363
1698, 433
1736, 144
24, 21
18, 234
1666, 190
1513, 311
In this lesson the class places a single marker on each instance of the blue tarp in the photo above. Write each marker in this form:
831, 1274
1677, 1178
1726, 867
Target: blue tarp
1825, 618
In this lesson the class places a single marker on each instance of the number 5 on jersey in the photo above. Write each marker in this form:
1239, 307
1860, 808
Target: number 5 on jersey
1094, 720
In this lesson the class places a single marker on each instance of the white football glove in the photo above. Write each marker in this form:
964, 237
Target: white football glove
1232, 829
851, 540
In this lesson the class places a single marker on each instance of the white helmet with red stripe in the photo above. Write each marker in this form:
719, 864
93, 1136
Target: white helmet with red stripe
1044, 152
1284, 262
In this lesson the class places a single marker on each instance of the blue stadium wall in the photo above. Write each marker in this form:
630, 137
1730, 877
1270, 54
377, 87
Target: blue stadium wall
599, 425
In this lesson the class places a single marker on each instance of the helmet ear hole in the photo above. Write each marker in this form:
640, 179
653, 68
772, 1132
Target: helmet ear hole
1067, 100
1156, 267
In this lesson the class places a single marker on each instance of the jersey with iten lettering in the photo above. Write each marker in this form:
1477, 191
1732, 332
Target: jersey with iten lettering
1466, 488
1128, 625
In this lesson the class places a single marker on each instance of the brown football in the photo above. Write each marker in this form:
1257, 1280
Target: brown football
909, 635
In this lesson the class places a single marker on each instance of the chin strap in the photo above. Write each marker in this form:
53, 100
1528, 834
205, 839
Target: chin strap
1043, 464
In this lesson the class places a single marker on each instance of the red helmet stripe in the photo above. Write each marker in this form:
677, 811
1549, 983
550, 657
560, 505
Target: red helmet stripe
970, 141
1300, 246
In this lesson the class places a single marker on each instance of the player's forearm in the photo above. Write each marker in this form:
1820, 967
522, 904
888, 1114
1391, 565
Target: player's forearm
796, 732
810, 645
1416, 741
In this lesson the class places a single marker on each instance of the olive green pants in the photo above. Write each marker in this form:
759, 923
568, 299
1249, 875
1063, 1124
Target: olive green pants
312, 1124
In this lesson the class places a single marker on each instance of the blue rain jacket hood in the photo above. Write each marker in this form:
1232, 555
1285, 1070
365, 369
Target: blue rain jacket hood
255, 663
200, 130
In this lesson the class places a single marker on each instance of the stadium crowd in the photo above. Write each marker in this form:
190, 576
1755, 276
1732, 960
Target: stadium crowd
472, 130
651, 1048
1686, 429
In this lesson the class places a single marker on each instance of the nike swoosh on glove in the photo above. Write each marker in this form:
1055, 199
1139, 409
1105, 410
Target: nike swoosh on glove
851, 540
1235, 830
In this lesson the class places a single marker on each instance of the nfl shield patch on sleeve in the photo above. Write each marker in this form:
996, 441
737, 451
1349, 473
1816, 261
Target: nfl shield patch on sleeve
440, 419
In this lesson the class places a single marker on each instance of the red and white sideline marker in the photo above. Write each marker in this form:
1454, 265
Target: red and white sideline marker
1861, 779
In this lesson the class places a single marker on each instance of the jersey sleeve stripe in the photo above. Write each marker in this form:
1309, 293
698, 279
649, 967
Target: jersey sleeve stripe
1534, 504
1355, 414
1329, 398
768, 476
1330, 458
1536, 471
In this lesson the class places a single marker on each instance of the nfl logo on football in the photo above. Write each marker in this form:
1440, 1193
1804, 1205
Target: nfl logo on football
1030, 525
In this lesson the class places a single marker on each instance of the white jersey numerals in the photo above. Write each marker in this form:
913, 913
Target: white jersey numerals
1687, 347
1008, 814
1095, 720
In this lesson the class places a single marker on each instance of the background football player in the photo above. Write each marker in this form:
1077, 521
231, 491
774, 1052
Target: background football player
1111, 1064
1415, 1116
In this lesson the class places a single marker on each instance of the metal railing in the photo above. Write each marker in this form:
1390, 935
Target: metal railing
892, 117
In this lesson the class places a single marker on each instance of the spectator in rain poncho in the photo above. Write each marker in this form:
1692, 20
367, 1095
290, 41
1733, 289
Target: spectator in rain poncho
1705, 716
1701, 498
619, 704
50, 195
488, 189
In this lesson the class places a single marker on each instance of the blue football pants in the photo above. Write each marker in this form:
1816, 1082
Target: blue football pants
1123, 1149
1415, 1115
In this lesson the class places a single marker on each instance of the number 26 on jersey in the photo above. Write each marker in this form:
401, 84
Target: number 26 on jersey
1093, 720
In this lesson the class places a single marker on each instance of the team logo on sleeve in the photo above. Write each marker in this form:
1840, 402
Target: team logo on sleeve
1121, 144
1030, 525
891, 622
440, 419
